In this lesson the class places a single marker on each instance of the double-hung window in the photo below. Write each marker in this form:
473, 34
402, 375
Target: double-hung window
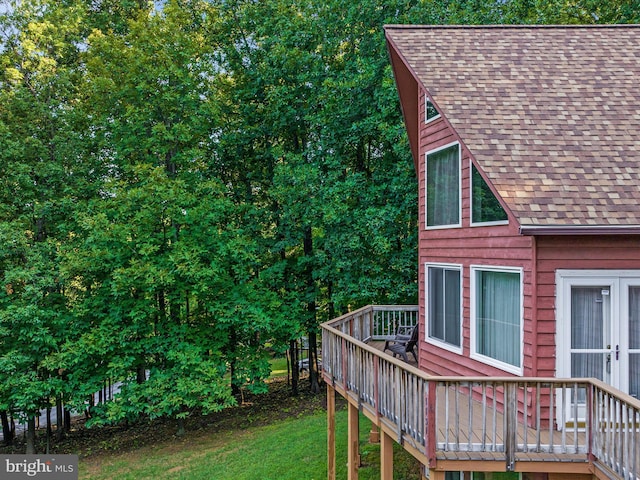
444, 313
496, 317
443, 187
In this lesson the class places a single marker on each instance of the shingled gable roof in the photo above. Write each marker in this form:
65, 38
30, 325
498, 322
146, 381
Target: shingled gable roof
550, 114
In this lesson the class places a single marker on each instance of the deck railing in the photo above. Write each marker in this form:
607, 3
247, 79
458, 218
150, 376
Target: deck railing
512, 419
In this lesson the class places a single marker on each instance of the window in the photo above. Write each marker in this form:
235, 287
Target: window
485, 207
430, 110
443, 305
443, 187
496, 330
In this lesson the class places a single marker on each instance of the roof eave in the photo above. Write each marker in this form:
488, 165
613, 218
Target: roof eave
580, 230
407, 88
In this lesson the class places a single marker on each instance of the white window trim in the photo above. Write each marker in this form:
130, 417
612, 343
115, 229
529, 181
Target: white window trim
483, 358
434, 341
426, 157
480, 224
428, 99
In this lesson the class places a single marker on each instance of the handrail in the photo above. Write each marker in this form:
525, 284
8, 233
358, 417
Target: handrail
521, 419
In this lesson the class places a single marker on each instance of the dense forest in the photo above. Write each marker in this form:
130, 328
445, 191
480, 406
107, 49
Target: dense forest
190, 186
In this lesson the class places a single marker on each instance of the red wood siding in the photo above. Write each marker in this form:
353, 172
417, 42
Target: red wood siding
615, 252
539, 257
491, 246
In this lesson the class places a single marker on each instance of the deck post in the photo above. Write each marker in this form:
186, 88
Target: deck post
374, 434
386, 456
437, 475
430, 424
353, 461
331, 432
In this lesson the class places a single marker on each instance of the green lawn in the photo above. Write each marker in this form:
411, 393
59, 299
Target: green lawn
278, 367
294, 449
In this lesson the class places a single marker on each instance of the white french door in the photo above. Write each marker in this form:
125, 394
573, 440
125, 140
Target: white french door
631, 340
598, 329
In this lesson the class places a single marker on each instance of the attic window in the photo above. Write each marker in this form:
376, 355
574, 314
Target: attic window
430, 110
485, 207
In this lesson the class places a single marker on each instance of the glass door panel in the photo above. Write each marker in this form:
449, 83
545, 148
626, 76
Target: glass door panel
590, 339
634, 341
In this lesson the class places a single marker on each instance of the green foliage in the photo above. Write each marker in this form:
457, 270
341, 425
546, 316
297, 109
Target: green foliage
184, 185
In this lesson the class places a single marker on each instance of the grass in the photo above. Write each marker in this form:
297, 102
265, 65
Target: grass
292, 449
278, 367
271, 438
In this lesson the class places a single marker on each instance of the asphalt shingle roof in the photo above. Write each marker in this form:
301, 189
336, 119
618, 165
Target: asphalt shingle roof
551, 114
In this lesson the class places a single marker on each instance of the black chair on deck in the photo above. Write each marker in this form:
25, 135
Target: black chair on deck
404, 341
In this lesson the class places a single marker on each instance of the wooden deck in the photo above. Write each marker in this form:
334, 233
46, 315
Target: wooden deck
470, 431
480, 423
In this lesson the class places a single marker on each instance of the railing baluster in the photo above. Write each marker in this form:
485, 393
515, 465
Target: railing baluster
609, 431
505, 420
525, 419
446, 416
634, 438
484, 417
511, 420
470, 413
538, 418
625, 453
575, 417
563, 418
634, 443
495, 415
457, 419
617, 434
552, 401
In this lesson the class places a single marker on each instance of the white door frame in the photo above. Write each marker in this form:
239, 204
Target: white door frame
618, 282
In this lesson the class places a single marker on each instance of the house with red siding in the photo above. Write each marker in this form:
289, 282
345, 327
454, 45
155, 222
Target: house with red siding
526, 143
526, 146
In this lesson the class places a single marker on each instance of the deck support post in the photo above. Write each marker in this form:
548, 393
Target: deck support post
331, 432
386, 456
353, 456
374, 434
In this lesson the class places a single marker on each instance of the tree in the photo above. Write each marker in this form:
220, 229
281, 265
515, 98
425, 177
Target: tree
168, 292
317, 75
44, 173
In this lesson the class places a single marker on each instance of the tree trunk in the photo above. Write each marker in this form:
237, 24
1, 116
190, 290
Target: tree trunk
313, 362
141, 374
7, 432
180, 431
288, 368
295, 366
59, 419
31, 436
235, 388
49, 432
67, 420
